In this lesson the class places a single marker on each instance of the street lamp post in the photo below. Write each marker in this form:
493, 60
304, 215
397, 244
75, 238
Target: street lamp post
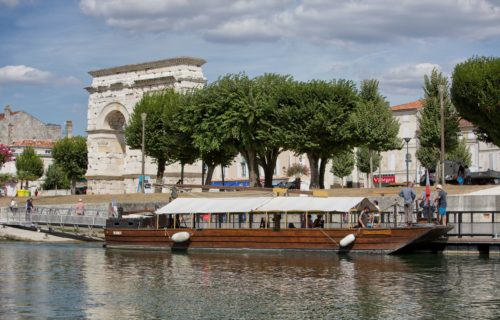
143, 118
407, 140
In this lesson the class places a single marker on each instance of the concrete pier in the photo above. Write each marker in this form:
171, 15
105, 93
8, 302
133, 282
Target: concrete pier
11, 233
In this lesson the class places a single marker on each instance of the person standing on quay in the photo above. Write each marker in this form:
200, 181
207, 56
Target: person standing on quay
441, 204
409, 195
80, 208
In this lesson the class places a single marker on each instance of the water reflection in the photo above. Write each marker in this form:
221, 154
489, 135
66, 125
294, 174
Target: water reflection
68, 281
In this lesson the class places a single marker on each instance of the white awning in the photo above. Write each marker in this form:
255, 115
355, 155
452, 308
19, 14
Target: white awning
213, 205
314, 204
266, 204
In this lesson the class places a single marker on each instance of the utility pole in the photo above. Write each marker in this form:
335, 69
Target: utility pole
143, 118
441, 102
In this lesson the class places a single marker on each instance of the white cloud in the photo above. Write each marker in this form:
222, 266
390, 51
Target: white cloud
22, 74
9, 3
320, 21
406, 79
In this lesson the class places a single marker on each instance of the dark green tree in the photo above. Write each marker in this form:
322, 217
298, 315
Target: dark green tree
429, 121
343, 164
318, 122
476, 95
70, 154
198, 119
271, 92
373, 122
461, 153
163, 139
29, 166
363, 156
55, 178
238, 117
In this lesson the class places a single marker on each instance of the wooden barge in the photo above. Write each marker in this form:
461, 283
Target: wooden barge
266, 223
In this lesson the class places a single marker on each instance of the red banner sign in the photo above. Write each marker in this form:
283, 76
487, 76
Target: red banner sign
386, 178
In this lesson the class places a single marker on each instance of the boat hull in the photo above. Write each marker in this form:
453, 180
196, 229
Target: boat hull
378, 240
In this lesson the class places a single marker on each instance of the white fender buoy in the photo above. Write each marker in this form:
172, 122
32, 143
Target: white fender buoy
347, 240
180, 237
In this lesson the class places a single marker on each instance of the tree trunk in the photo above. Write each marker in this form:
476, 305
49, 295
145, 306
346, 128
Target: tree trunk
73, 186
268, 162
250, 156
314, 168
322, 169
202, 173
342, 182
369, 181
159, 175
182, 173
222, 174
380, 171
210, 173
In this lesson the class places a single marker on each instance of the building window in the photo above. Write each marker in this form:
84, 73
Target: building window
243, 169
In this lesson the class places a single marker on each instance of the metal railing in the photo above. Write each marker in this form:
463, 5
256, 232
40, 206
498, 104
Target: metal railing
474, 224
53, 216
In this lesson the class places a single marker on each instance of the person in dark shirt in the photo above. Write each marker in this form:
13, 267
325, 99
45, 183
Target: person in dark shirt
319, 222
365, 219
441, 204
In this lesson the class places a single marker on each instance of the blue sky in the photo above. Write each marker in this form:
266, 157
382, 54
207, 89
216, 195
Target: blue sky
47, 47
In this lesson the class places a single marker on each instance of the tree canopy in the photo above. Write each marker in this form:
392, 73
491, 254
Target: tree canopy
476, 95
343, 164
55, 178
29, 165
163, 141
461, 153
429, 121
70, 154
373, 123
318, 122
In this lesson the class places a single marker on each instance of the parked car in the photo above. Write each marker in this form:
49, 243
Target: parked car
81, 190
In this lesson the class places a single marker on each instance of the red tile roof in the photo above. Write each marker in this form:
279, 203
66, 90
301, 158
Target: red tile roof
465, 124
408, 106
33, 143
2, 115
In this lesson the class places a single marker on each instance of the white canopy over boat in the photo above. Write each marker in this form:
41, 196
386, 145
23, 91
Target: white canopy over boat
315, 204
266, 204
213, 205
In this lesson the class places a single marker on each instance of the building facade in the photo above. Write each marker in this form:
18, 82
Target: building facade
112, 166
19, 125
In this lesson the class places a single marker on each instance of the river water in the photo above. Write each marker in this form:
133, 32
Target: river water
63, 281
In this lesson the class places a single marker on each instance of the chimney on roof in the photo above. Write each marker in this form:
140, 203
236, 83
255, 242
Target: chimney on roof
7, 111
69, 128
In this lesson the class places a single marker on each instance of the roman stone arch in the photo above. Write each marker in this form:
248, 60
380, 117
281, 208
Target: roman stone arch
112, 166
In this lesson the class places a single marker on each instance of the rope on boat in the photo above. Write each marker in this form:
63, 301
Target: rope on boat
329, 237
